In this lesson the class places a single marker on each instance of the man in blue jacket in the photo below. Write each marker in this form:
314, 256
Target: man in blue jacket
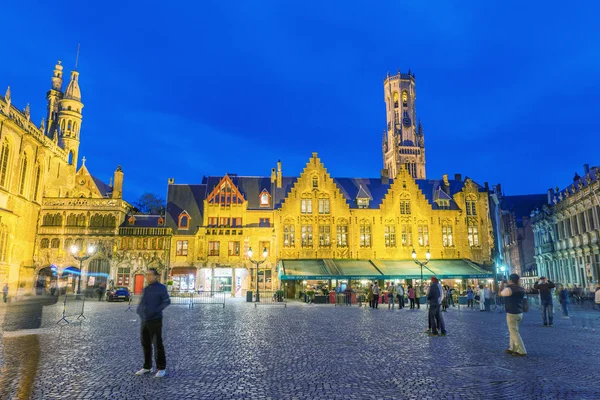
435, 295
154, 300
544, 286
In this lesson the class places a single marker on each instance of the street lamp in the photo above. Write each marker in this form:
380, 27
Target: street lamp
81, 258
421, 264
257, 263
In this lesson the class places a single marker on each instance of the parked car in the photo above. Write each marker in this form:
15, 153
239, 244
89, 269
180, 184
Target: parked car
118, 293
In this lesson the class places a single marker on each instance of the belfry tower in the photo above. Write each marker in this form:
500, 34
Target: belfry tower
403, 142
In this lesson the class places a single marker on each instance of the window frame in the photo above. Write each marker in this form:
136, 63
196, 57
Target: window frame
181, 248
214, 248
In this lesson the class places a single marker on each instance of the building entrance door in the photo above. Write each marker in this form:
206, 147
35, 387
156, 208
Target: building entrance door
139, 284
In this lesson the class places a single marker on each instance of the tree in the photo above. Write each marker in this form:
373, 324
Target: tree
150, 203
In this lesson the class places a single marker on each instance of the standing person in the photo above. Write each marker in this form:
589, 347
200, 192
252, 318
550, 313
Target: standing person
418, 294
391, 296
5, 292
488, 298
470, 297
400, 296
435, 296
154, 300
544, 286
481, 294
563, 299
450, 298
101, 291
445, 300
411, 297
514, 294
376, 295
370, 295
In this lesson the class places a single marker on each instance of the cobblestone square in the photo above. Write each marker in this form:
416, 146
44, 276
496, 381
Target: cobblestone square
313, 352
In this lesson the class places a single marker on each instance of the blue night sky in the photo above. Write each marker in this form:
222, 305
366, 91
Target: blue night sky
507, 91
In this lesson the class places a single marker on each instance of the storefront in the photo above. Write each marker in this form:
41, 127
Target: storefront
184, 278
223, 279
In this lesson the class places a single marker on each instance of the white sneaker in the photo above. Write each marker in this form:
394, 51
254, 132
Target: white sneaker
143, 371
160, 373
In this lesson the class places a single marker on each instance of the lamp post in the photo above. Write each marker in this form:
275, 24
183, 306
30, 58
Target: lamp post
257, 263
81, 258
421, 264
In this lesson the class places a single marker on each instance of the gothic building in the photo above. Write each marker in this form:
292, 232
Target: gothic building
47, 204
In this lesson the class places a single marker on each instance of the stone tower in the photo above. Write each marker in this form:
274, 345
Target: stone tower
53, 97
403, 143
69, 118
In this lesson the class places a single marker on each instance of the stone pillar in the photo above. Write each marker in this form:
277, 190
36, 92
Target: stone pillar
233, 286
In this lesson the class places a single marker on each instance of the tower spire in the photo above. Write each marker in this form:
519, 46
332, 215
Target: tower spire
77, 56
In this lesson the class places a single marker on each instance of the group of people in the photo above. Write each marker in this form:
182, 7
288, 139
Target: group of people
395, 294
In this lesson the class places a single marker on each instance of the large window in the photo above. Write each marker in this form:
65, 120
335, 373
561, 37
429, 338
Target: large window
36, 183
473, 234
324, 235
289, 236
342, 235
234, 249
4, 235
323, 206
23, 175
365, 235
306, 206
55, 243
447, 239
406, 235
307, 235
471, 207
4, 156
423, 231
225, 194
404, 207
213, 248
390, 236
123, 275
182, 248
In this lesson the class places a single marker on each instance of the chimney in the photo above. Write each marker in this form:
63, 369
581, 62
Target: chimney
550, 196
457, 177
385, 176
586, 169
273, 176
498, 190
171, 181
487, 186
279, 177
117, 192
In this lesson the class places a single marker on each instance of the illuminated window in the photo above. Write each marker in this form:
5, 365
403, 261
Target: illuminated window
234, 249
404, 207
225, 194
23, 175
213, 248
130, 221
395, 99
423, 231
473, 235
182, 248
390, 236
365, 235
323, 206
306, 205
342, 235
324, 235
471, 207
406, 235
36, 184
307, 235
265, 199
289, 236
4, 156
405, 98
447, 239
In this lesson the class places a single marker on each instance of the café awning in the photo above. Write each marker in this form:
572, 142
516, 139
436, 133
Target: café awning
325, 269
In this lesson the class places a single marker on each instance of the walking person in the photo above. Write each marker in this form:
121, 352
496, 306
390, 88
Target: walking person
513, 294
411, 297
101, 291
544, 286
481, 295
376, 293
435, 296
488, 298
400, 296
563, 299
370, 295
154, 300
391, 296
5, 292
470, 297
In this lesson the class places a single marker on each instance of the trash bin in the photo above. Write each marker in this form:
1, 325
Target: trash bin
249, 296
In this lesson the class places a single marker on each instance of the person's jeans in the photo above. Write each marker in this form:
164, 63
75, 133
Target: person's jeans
565, 308
152, 332
400, 301
470, 303
418, 302
547, 309
375, 301
481, 304
516, 342
436, 319
412, 303
4, 297
391, 302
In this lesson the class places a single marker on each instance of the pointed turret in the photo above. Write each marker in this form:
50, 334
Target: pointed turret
53, 96
7, 98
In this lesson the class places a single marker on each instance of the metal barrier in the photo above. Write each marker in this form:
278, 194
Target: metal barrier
181, 298
134, 300
207, 297
73, 305
271, 297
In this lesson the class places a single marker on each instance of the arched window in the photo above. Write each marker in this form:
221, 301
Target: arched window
396, 99
81, 220
55, 243
36, 184
68, 244
265, 199
109, 221
96, 221
23, 175
69, 125
62, 125
4, 163
184, 220
74, 127
70, 160
4, 236
71, 220
45, 243
161, 243
405, 98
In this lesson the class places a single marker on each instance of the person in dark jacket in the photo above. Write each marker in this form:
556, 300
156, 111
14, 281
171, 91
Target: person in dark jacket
563, 296
513, 294
21, 329
544, 286
435, 295
154, 300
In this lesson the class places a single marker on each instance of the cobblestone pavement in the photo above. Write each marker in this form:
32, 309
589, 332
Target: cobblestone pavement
314, 352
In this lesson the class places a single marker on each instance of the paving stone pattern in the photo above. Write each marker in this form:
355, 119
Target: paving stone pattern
316, 352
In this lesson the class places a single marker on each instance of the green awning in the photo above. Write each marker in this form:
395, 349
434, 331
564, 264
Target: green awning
325, 269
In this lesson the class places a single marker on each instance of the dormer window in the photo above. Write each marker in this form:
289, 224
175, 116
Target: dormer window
131, 220
184, 221
265, 199
362, 203
161, 221
315, 182
443, 204
362, 198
